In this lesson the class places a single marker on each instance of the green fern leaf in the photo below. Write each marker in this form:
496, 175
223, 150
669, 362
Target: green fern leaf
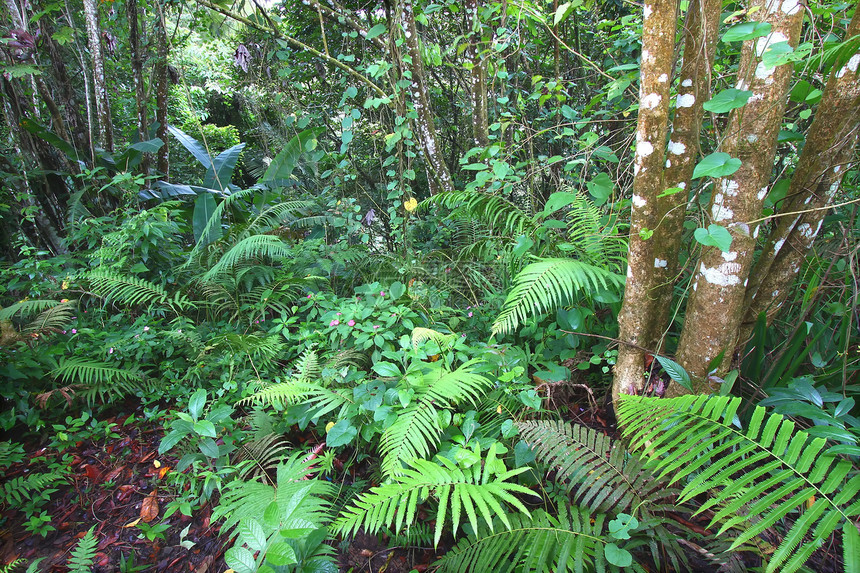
497, 213
473, 491
754, 478
547, 284
132, 291
27, 308
81, 560
246, 250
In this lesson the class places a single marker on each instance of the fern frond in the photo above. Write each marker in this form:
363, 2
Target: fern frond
16, 491
81, 560
569, 542
417, 432
547, 284
92, 372
265, 452
497, 213
17, 566
27, 308
132, 291
421, 335
248, 249
754, 478
277, 215
602, 478
293, 392
53, 319
215, 219
474, 491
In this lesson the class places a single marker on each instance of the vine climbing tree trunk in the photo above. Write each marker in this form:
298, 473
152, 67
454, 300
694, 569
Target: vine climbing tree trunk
103, 115
826, 157
638, 329
715, 308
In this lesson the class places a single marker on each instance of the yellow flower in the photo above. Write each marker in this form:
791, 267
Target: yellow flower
329, 426
65, 285
410, 204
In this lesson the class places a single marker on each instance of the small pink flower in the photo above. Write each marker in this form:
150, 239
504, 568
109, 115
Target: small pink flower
338, 314
74, 331
146, 329
310, 295
110, 351
470, 314
351, 323
64, 332
382, 293
334, 322
375, 326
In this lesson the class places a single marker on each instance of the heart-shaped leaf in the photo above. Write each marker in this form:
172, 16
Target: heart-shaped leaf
746, 31
727, 100
716, 165
714, 236
600, 187
341, 434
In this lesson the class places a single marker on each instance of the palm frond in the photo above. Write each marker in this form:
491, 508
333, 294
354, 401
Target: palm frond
756, 478
477, 491
547, 284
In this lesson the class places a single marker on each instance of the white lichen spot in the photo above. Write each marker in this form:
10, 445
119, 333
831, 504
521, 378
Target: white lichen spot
629, 273
774, 294
730, 187
686, 100
636, 168
752, 138
660, 264
647, 58
682, 184
790, 7
756, 97
778, 245
668, 163
651, 101
720, 212
761, 72
755, 231
762, 193
688, 83
762, 44
647, 11
730, 256
663, 78
852, 65
723, 275
676, 147
639, 202
742, 85
644, 149
837, 169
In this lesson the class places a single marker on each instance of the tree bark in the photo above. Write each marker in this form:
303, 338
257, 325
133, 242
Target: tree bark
826, 157
439, 177
91, 18
162, 89
637, 329
715, 308
133, 13
478, 77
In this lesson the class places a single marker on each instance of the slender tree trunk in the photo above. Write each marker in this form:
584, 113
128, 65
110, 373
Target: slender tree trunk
438, 176
700, 45
162, 89
715, 308
826, 157
635, 327
478, 77
91, 17
133, 13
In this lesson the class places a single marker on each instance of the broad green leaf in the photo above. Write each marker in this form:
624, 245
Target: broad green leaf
252, 534
376, 31
600, 187
396, 290
559, 200
196, 403
714, 236
716, 165
219, 176
564, 11
204, 208
209, 448
197, 150
282, 166
746, 31
170, 440
281, 554
617, 556
524, 243
386, 369
777, 54
240, 560
727, 100
205, 428
676, 372
340, 434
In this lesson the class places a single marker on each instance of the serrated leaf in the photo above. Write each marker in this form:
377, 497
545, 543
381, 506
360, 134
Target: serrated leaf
717, 164
727, 100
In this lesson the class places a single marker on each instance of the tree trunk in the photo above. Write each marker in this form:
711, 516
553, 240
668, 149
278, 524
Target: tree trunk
162, 89
91, 17
439, 177
132, 13
715, 308
636, 328
478, 77
825, 158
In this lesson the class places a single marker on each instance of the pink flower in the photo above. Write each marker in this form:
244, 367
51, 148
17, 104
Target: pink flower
382, 293
334, 322
351, 323
310, 295
470, 314
74, 331
110, 351
375, 326
338, 314
146, 329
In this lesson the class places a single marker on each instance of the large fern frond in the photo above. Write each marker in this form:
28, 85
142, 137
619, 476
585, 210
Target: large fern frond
285, 213
53, 319
323, 399
766, 474
548, 284
247, 249
474, 491
264, 453
602, 478
25, 308
572, 541
84, 553
417, 432
132, 291
497, 213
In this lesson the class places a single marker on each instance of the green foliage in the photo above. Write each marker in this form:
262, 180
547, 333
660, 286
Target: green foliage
81, 559
548, 284
131, 291
36, 486
754, 478
99, 379
476, 491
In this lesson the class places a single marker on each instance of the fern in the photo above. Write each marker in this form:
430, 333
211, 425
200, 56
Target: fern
264, 452
17, 566
16, 491
248, 249
603, 478
417, 431
474, 491
99, 379
81, 560
421, 335
494, 211
547, 284
27, 308
53, 319
322, 398
755, 478
132, 291
572, 541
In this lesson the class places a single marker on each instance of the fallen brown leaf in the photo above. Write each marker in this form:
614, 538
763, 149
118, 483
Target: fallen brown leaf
149, 507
